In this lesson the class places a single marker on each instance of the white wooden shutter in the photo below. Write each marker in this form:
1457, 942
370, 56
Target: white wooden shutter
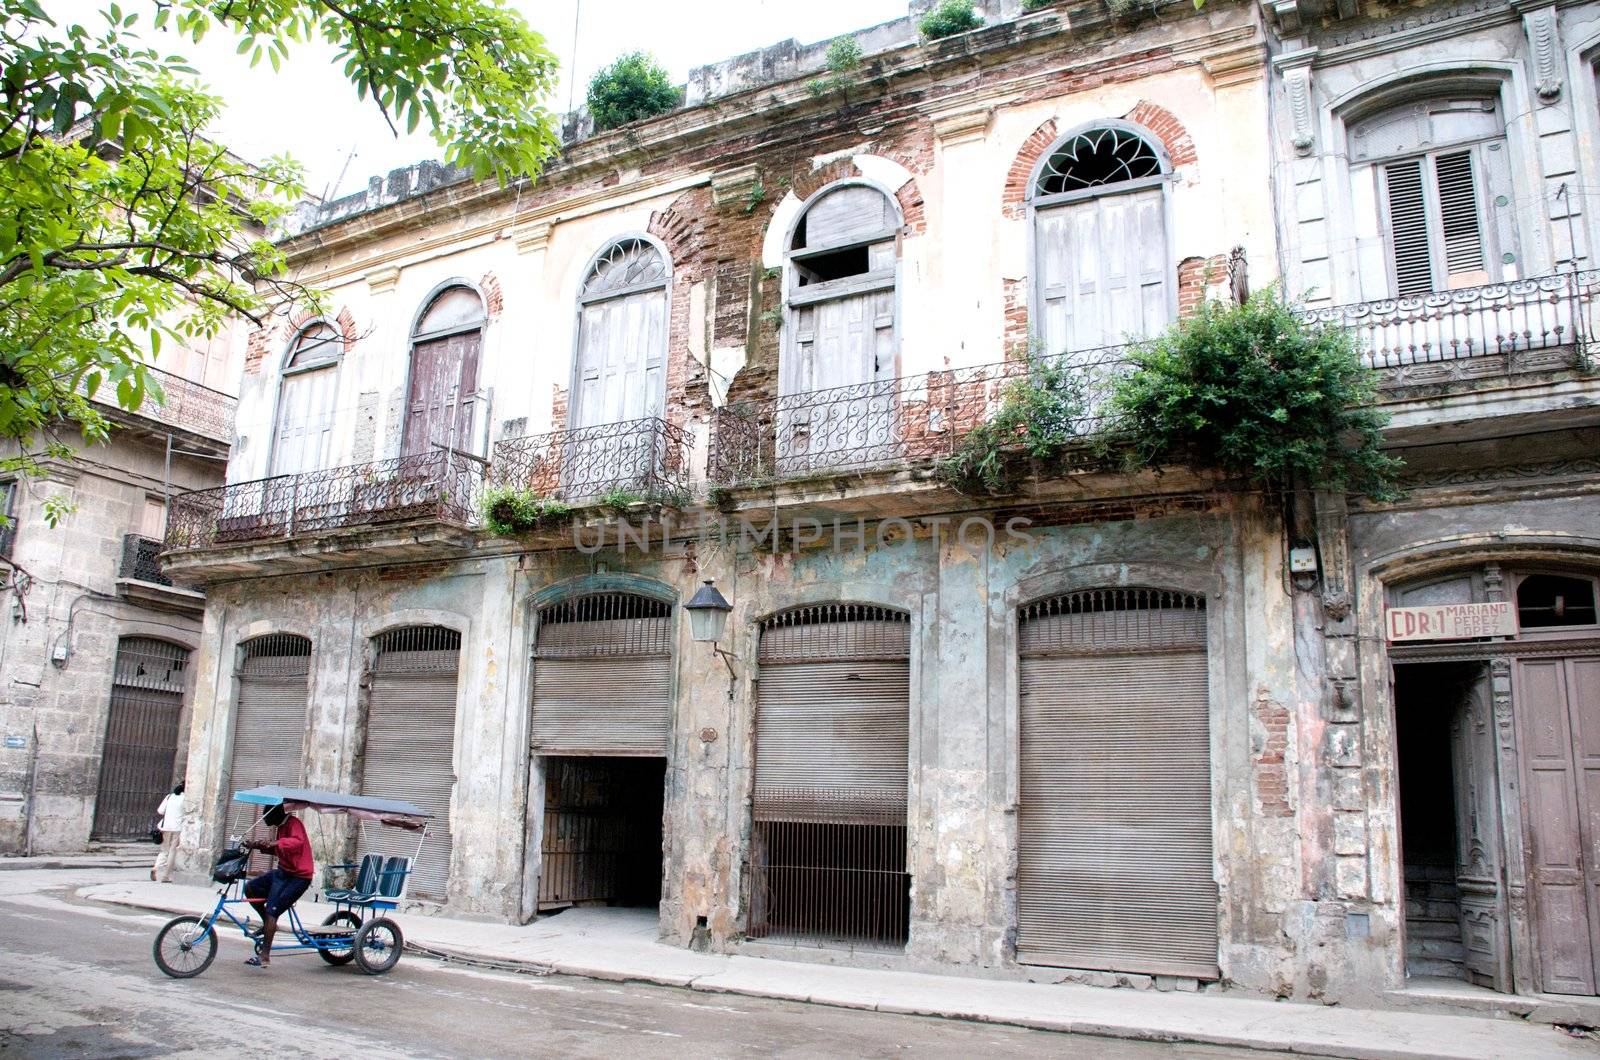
1103, 271
306, 416
1408, 227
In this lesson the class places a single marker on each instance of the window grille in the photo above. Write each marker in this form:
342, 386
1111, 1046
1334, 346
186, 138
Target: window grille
605, 624
1124, 619
1096, 158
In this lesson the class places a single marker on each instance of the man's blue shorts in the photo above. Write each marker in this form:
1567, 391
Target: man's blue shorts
280, 890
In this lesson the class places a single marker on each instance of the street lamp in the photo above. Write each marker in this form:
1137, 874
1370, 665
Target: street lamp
708, 619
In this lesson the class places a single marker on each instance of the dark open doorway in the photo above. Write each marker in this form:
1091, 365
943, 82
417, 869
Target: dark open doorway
602, 832
1449, 823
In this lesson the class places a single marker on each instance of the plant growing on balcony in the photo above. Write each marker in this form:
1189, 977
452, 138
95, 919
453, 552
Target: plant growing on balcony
1251, 390
632, 88
949, 18
619, 499
1038, 418
511, 512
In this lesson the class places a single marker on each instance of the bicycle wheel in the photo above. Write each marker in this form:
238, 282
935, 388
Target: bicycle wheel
342, 954
378, 944
184, 947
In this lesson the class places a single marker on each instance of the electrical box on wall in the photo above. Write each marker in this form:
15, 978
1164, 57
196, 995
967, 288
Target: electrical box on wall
1303, 560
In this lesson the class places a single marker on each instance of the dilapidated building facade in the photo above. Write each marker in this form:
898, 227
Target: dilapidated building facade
1119, 727
95, 646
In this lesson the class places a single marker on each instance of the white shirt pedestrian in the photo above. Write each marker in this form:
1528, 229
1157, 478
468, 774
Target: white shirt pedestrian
171, 813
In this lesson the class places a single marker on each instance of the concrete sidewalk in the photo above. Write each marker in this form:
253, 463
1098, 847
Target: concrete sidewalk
620, 945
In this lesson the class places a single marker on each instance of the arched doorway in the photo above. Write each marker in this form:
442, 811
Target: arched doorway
1497, 750
269, 722
141, 743
1114, 862
832, 740
602, 729
409, 751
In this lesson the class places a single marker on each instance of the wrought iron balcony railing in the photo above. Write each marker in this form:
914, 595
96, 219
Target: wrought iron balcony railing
648, 457
183, 404
442, 486
139, 560
880, 423
1500, 319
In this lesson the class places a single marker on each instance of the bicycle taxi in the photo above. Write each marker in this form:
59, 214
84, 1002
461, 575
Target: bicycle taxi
359, 929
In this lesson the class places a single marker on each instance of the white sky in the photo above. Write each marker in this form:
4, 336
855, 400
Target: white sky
309, 111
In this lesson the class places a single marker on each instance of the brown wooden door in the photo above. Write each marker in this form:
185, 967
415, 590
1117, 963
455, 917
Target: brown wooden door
1558, 703
444, 378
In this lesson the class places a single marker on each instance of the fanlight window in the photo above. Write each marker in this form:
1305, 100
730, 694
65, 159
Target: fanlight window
626, 265
1095, 158
1545, 600
315, 345
456, 309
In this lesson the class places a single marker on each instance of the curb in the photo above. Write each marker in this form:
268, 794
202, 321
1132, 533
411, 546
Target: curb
1309, 1045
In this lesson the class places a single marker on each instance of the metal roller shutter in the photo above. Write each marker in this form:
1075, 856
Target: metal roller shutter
410, 748
141, 736
602, 677
270, 723
1115, 830
832, 735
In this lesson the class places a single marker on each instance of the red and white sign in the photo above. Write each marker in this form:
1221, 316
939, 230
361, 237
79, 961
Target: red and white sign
1451, 621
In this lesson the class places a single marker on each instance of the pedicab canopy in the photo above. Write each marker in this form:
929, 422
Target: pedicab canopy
396, 812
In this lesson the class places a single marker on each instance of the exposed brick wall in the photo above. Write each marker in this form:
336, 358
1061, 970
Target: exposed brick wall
1269, 745
346, 322
1166, 126
494, 302
1015, 339
1014, 195
1194, 274
689, 228
258, 345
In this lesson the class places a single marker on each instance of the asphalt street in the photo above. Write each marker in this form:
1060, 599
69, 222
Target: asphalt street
77, 980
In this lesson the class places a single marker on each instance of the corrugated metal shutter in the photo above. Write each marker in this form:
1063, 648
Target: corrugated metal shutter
141, 736
602, 677
1115, 831
270, 722
411, 730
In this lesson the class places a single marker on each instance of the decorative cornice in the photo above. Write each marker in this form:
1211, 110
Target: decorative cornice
1478, 476
531, 237
960, 126
735, 186
381, 280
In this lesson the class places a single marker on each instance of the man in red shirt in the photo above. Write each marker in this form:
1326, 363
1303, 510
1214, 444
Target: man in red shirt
277, 890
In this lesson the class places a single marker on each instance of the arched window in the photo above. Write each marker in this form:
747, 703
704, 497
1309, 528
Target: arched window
620, 373
1102, 265
1433, 181
442, 396
842, 291
303, 432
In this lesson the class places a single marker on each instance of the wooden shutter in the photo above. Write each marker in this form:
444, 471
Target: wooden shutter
1408, 227
270, 722
833, 717
410, 748
1458, 216
621, 350
1102, 270
444, 376
1115, 827
303, 439
141, 741
1558, 707
602, 677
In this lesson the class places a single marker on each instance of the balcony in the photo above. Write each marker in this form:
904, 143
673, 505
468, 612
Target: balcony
1547, 323
185, 407
140, 579
646, 458
884, 423
389, 509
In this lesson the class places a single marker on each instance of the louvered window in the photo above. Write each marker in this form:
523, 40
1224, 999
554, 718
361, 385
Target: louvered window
1434, 231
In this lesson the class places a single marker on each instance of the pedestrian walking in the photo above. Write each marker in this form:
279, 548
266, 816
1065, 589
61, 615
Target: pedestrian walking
171, 813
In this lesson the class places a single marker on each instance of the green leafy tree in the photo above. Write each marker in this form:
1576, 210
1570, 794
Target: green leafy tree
1253, 391
632, 88
122, 225
949, 18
